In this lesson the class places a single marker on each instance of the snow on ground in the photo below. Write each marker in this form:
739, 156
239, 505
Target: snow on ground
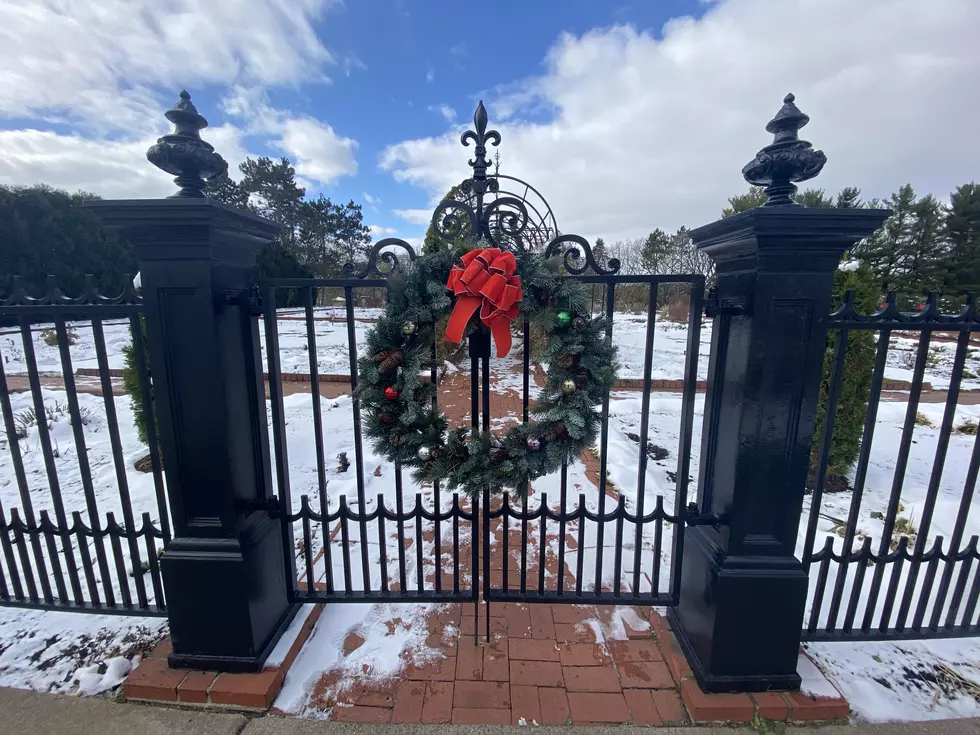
906, 688
629, 335
72, 653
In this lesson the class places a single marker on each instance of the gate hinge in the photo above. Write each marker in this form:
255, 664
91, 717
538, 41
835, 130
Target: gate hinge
250, 300
268, 505
714, 306
693, 517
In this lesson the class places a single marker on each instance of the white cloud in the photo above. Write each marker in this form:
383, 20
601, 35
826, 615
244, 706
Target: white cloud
379, 231
430, 75
319, 154
98, 65
110, 73
414, 216
651, 130
111, 169
351, 62
447, 112
372, 200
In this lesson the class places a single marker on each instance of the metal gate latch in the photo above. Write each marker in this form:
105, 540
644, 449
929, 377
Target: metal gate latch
694, 517
268, 505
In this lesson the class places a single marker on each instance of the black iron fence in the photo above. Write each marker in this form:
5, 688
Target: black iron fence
352, 545
82, 558
906, 581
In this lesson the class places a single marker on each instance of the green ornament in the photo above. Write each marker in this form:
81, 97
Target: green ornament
564, 318
408, 328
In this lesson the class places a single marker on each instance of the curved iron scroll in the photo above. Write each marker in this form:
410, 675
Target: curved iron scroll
929, 313
90, 296
571, 248
378, 252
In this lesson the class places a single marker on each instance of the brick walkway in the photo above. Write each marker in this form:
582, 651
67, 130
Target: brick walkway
543, 663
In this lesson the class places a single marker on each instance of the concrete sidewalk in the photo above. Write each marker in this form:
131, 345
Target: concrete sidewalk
25, 713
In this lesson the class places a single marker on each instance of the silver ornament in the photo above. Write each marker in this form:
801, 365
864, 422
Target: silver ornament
568, 386
533, 443
408, 328
425, 454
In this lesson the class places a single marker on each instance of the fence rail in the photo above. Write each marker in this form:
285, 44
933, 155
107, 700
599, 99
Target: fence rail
906, 605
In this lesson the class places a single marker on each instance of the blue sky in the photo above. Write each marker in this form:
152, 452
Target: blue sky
414, 69
626, 116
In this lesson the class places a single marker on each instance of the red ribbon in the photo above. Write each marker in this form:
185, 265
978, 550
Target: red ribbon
485, 281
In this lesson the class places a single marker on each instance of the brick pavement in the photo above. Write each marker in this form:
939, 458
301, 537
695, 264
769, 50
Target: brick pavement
549, 664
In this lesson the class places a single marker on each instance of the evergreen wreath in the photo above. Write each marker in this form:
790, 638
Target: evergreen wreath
396, 403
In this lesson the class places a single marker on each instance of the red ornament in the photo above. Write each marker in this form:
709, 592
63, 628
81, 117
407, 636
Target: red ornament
391, 393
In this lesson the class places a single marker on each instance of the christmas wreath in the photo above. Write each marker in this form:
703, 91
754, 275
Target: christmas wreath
483, 288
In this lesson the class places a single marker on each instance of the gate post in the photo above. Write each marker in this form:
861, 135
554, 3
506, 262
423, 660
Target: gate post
742, 590
223, 573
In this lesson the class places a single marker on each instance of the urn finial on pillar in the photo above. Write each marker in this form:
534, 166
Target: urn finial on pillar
787, 159
183, 153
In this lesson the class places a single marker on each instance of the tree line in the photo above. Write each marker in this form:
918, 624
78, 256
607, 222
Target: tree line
48, 231
925, 245
319, 234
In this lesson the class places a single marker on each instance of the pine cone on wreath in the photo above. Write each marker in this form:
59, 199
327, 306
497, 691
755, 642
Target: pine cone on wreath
388, 360
555, 431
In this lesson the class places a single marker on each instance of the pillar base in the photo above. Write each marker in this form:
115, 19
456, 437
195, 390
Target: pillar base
240, 583
739, 617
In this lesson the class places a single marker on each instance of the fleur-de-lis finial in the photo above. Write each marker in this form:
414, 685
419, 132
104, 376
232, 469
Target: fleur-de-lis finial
183, 154
480, 137
787, 159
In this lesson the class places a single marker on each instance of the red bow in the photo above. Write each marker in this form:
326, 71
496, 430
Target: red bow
486, 280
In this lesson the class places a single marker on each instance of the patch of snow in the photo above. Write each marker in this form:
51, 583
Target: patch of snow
289, 637
71, 652
380, 656
99, 678
815, 683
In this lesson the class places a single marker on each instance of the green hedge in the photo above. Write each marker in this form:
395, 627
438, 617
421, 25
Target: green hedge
855, 387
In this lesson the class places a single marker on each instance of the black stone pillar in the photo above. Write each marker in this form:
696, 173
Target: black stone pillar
223, 572
743, 592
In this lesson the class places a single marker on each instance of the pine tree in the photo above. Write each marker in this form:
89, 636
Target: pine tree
923, 253
883, 250
754, 197
655, 251
962, 226
813, 198
599, 252
849, 198
855, 386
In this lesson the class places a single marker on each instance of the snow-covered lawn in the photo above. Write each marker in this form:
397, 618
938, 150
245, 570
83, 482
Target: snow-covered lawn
870, 674
629, 335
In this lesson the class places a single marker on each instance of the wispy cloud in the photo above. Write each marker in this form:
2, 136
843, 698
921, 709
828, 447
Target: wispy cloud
372, 200
378, 231
445, 110
413, 216
430, 75
352, 62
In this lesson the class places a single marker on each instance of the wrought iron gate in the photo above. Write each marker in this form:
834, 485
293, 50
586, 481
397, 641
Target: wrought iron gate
434, 546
